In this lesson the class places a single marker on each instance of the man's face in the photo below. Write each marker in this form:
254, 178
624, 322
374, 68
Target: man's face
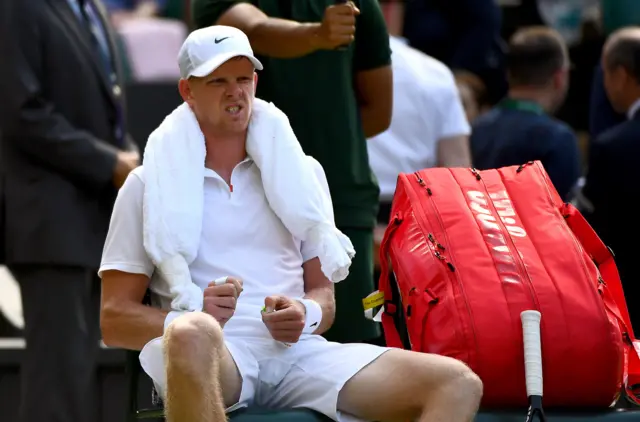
614, 80
222, 101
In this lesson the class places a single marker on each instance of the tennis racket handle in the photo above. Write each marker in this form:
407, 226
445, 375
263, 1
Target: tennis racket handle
532, 352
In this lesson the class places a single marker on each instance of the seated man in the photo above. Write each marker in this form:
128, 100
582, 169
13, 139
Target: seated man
235, 353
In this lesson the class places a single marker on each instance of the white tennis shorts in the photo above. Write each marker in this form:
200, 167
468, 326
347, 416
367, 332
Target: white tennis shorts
308, 374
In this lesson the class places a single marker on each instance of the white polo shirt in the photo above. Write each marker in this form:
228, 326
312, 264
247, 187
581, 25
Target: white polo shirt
426, 109
241, 237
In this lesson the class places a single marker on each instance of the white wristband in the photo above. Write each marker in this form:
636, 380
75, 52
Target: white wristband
313, 315
170, 317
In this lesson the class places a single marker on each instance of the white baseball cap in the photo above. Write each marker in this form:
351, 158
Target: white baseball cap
206, 49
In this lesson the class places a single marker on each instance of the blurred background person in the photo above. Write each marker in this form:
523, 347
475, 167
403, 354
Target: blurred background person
428, 128
602, 115
147, 38
473, 94
65, 151
611, 176
328, 69
520, 128
463, 34
6, 328
614, 15
132, 9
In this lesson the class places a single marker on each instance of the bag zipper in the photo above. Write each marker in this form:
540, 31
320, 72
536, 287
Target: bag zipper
450, 273
577, 246
580, 250
397, 220
411, 301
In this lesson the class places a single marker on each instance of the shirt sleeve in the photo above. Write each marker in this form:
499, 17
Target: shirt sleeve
207, 12
372, 48
309, 252
454, 120
124, 247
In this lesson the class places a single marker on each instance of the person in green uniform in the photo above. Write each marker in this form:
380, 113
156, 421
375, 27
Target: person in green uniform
327, 66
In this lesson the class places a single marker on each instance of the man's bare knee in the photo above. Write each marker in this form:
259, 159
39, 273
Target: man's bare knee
191, 338
462, 383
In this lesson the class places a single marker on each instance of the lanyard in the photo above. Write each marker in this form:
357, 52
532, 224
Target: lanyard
521, 105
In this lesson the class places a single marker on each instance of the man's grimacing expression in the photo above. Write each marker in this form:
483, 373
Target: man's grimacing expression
222, 101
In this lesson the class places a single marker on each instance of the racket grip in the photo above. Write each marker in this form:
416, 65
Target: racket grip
532, 352
220, 281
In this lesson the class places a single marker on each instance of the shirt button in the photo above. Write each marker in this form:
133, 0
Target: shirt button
117, 91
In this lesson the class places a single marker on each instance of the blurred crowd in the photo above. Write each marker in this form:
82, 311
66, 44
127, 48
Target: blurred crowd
424, 83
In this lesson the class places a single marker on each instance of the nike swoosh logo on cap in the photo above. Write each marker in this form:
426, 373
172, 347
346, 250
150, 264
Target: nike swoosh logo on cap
314, 324
219, 40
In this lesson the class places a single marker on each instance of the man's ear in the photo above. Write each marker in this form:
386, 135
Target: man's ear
185, 91
560, 78
255, 82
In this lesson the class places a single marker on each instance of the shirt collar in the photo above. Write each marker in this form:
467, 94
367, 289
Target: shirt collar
210, 173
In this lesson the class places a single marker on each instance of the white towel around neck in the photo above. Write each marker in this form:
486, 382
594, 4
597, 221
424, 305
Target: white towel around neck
173, 203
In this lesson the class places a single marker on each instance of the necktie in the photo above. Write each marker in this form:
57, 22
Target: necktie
96, 32
100, 46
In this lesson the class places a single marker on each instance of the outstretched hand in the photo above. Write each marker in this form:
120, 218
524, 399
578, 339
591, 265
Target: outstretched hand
284, 317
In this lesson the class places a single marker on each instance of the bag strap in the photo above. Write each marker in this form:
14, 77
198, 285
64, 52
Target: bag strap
392, 336
613, 294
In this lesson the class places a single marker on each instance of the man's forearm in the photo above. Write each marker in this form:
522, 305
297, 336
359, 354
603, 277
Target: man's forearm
325, 297
372, 123
132, 326
284, 39
272, 37
454, 151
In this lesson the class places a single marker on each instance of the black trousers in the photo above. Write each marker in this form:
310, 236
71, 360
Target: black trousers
62, 332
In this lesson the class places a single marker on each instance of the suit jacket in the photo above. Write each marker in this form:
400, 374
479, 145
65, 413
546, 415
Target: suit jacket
59, 151
611, 187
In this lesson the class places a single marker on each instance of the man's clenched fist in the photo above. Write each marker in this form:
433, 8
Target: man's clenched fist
338, 26
220, 299
284, 317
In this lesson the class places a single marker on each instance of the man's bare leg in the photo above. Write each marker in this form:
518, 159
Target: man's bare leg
202, 378
408, 386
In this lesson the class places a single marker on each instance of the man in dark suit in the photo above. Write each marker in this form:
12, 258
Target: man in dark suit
602, 116
64, 154
520, 128
611, 185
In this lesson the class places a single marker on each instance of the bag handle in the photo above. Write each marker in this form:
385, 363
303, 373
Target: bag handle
612, 291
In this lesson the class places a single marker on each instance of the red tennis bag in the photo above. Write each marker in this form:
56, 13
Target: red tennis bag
470, 250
